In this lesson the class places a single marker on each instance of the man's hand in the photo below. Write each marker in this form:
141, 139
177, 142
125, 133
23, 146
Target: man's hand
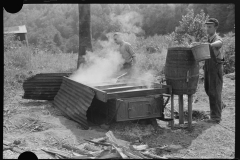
194, 44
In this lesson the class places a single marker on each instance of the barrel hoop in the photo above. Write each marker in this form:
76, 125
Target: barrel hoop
183, 77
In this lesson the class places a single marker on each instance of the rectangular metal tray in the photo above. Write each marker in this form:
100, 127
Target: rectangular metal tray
108, 90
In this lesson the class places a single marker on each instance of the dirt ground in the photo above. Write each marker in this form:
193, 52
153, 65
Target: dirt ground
38, 124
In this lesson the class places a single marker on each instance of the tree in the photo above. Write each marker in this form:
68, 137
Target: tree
84, 31
57, 39
191, 27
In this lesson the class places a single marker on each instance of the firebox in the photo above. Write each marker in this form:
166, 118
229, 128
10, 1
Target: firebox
135, 108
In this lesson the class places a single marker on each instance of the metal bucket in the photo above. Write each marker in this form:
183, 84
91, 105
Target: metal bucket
201, 52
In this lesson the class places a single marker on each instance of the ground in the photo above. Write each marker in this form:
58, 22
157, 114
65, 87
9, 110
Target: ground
38, 124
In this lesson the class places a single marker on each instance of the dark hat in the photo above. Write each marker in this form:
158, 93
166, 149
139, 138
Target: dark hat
212, 21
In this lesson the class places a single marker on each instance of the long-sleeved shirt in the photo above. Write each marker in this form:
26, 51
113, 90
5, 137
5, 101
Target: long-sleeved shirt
127, 52
216, 50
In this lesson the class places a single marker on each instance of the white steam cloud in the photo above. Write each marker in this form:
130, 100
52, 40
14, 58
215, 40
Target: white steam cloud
100, 66
104, 64
130, 22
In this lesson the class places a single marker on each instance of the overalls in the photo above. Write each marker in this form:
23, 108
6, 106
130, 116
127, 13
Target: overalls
213, 83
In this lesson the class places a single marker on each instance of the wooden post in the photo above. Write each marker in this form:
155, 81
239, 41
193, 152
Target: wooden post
26, 39
85, 37
190, 97
181, 117
172, 110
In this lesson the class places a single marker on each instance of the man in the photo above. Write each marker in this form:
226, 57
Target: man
126, 51
213, 72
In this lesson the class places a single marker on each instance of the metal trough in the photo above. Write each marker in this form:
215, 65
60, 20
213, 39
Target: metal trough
75, 98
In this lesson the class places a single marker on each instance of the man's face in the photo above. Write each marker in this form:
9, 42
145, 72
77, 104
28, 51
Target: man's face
117, 39
211, 29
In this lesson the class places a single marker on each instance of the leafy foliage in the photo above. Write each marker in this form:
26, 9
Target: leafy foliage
228, 49
44, 21
192, 27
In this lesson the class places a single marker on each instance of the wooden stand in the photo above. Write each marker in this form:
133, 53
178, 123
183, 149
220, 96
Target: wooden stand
181, 110
190, 100
172, 110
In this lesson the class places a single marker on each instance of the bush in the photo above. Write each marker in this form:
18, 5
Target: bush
228, 49
192, 28
151, 62
18, 58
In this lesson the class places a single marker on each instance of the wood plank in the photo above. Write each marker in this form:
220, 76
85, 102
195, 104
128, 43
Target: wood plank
109, 86
190, 98
181, 117
55, 151
123, 88
136, 93
75, 149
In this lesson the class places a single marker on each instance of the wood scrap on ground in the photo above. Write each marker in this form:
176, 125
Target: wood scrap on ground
10, 146
108, 147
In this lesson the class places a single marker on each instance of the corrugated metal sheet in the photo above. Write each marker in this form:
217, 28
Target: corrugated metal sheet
74, 99
44, 86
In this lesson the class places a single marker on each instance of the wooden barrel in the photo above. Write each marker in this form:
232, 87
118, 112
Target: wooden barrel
181, 70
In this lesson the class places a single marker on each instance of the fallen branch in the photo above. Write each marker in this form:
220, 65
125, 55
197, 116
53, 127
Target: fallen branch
54, 151
124, 150
136, 152
119, 150
109, 155
91, 147
99, 139
131, 155
58, 156
81, 157
14, 149
6, 147
113, 139
75, 149
153, 155
104, 144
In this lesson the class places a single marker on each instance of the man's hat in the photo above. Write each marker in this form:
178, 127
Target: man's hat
212, 21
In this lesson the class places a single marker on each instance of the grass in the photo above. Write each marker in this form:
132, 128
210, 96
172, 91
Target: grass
21, 63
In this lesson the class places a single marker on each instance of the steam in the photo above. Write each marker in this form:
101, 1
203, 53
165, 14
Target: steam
105, 63
100, 66
130, 22
141, 78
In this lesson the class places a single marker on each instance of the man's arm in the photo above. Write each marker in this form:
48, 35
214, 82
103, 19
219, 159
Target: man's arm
130, 50
216, 44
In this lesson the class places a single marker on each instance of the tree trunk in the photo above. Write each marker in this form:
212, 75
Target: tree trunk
84, 31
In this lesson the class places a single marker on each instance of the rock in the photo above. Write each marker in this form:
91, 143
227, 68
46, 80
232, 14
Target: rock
17, 142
